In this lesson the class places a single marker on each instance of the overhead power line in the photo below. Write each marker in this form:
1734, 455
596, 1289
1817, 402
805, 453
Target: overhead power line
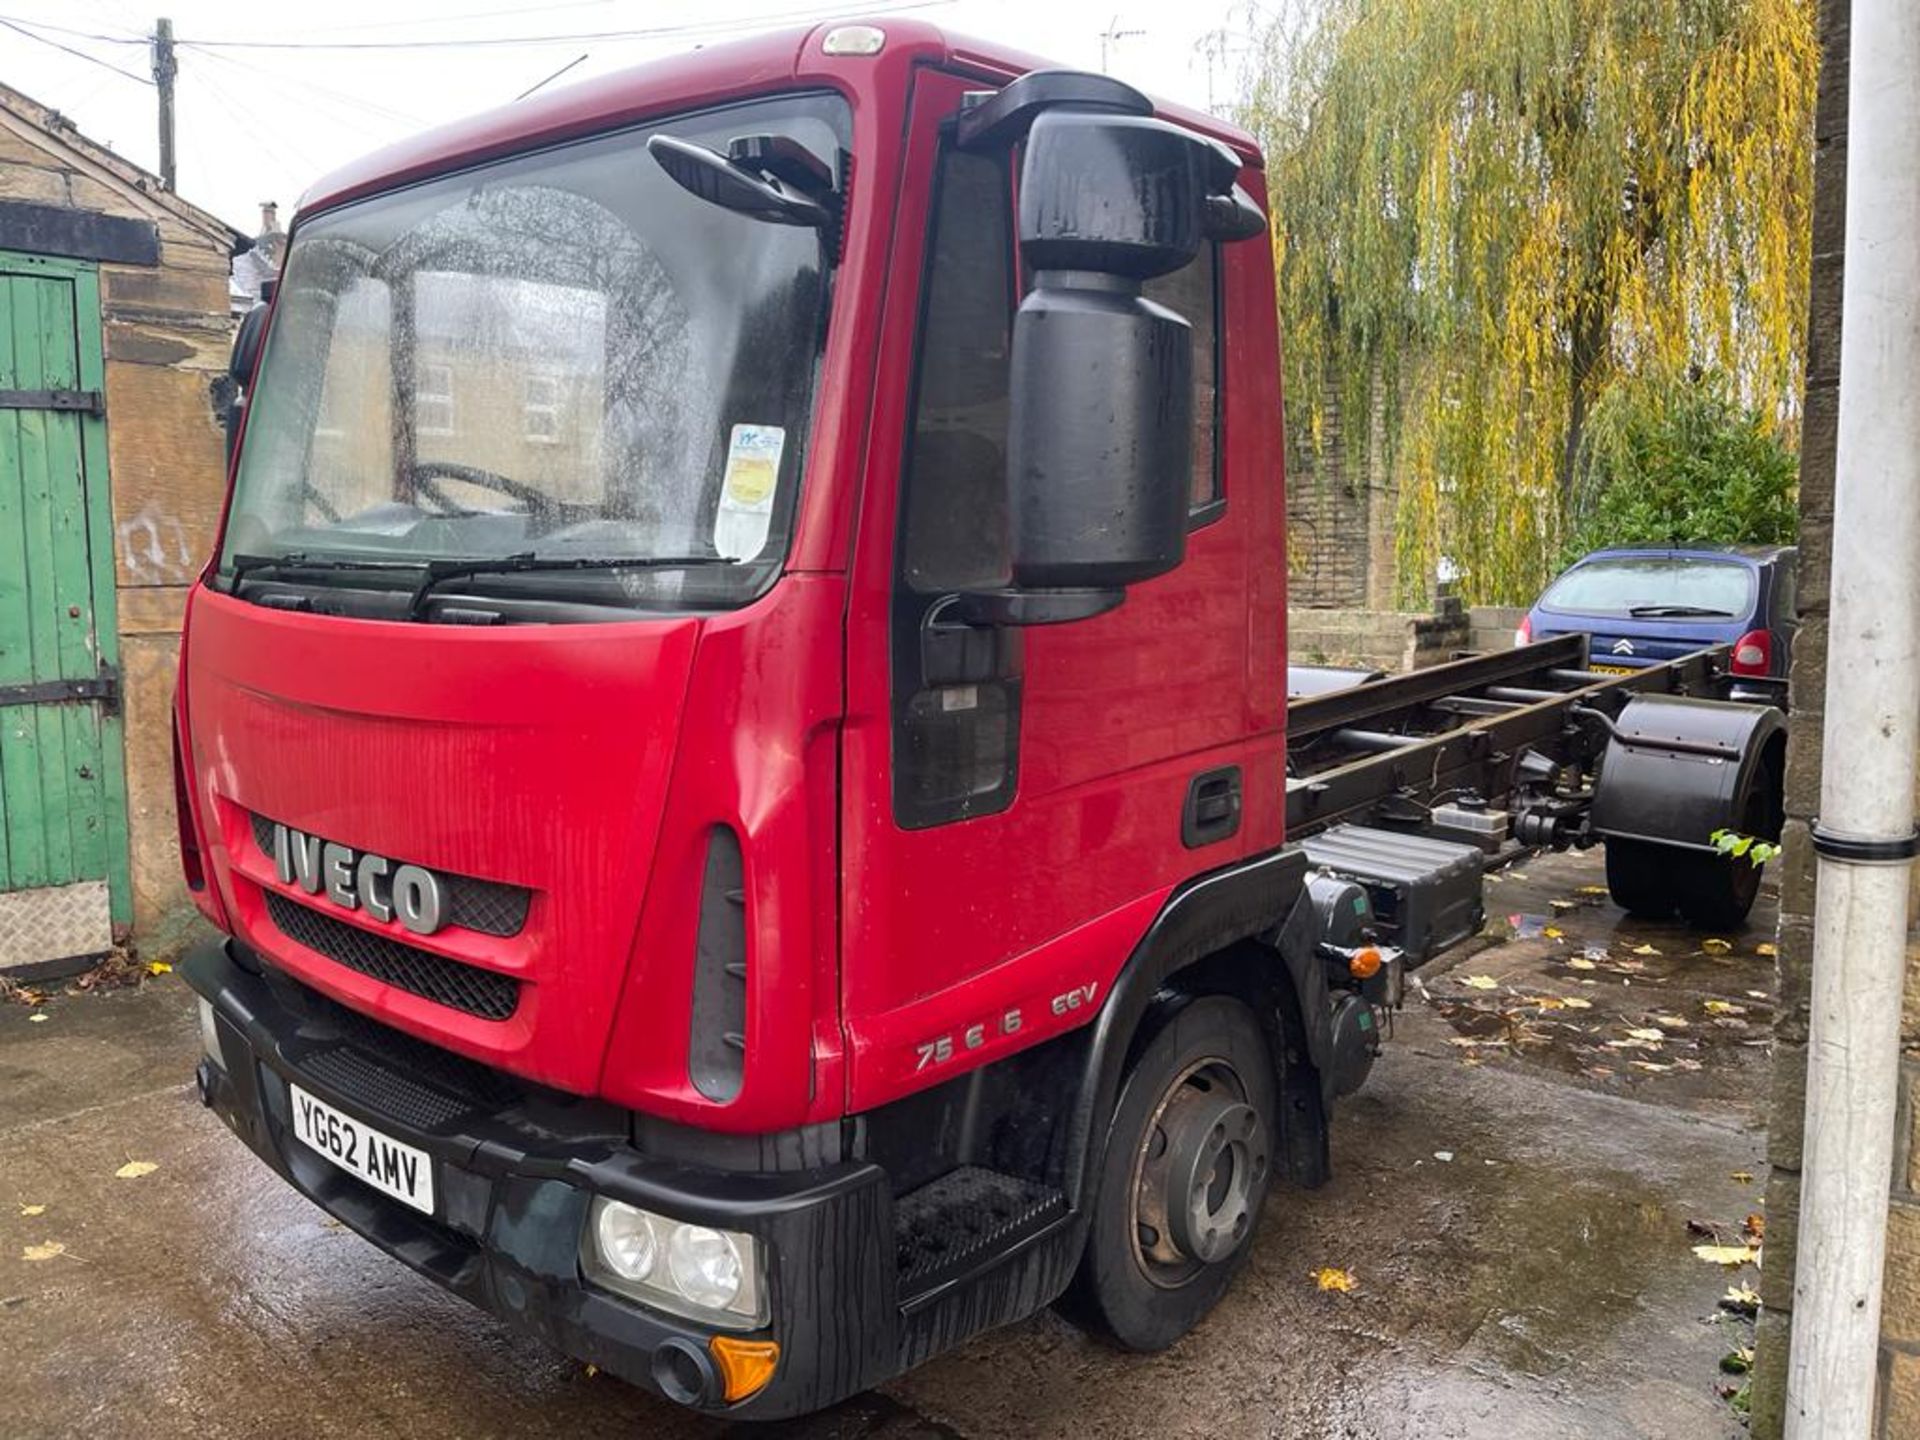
473, 42
78, 54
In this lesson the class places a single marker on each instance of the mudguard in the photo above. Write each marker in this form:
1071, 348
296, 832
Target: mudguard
1678, 769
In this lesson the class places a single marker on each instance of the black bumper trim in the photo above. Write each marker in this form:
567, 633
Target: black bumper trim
511, 1205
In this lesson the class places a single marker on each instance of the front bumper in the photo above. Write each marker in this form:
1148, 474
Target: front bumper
515, 1170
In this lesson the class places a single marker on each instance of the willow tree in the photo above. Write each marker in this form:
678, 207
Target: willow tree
1487, 211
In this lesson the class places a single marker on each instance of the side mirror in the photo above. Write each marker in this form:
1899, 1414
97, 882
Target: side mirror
770, 178
245, 359
1100, 430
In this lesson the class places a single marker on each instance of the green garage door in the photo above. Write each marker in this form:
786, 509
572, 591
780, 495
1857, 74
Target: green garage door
63, 849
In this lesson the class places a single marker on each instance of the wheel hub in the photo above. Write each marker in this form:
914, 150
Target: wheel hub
1201, 1174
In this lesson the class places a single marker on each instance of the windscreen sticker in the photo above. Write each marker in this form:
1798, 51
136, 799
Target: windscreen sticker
745, 513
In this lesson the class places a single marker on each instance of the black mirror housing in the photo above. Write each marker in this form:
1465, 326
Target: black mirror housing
247, 342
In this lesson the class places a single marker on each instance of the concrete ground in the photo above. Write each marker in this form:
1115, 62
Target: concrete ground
1513, 1198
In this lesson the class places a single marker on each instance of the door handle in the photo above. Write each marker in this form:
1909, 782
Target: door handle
1212, 811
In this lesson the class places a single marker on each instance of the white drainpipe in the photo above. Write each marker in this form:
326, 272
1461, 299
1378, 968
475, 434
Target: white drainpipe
1865, 835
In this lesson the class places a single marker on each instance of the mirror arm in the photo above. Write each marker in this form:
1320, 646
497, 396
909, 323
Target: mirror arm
1033, 607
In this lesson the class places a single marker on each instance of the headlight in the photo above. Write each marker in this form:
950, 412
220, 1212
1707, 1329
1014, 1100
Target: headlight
209, 1032
710, 1275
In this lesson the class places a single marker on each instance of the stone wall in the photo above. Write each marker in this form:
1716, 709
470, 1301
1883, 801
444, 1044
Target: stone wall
166, 337
1341, 521
1392, 640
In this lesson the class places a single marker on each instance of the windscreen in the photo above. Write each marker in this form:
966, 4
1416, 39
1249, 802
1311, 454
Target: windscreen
1703, 588
563, 355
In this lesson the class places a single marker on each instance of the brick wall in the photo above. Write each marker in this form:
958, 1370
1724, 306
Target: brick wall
1341, 514
1392, 640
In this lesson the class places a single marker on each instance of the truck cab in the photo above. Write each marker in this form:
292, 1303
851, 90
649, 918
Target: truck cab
735, 733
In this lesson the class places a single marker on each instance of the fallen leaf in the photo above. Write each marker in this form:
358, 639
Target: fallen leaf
1560, 907
1650, 1066
592, 1370
43, 1252
1723, 1007
1743, 1177
1741, 1299
134, 1169
1645, 950
1516, 874
38, 1019
1766, 948
1580, 962
1591, 890
1331, 1279
1716, 946
1444, 1156
1724, 1254
32, 1210
1647, 1032
1670, 1022
1758, 995
1554, 932
1546, 1002
1755, 1228
159, 967
1574, 1002
1480, 982
1467, 1042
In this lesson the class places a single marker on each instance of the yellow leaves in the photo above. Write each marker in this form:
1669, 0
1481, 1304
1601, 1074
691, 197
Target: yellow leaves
159, 967
1716, 946
1742, 1177
1644, 949
29, 1211
39, 1017
1648, 1033
1599, 890
1729, 1255
1723, 1007
1766, 949
134, 1169
1580, 962
48, 1250
1574, 1002
1337, 1280
1480, 982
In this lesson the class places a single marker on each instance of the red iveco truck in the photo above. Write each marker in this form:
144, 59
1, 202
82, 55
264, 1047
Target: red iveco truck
737, 734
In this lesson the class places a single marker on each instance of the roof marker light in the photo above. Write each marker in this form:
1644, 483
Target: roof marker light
854, 40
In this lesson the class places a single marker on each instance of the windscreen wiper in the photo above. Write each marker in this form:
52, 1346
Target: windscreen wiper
244, 565
1678, 612
439, 572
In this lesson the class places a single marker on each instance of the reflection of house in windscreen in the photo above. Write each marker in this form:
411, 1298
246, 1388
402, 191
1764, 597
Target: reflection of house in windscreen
506, 376
259, 265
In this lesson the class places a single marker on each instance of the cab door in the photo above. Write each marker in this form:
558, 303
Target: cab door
1018, 804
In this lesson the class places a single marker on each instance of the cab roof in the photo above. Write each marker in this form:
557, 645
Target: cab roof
713, 75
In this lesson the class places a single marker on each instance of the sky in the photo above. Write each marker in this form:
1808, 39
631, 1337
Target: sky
272, 96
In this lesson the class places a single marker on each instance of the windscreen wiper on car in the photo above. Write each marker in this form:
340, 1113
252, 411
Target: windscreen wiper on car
439, 572
1678, 612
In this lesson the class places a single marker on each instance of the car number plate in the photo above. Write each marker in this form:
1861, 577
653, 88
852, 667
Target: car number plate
363, 1152
1611, 669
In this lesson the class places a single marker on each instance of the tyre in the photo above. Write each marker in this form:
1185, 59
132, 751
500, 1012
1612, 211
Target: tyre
1720, 889
1187, 1167
1644, 879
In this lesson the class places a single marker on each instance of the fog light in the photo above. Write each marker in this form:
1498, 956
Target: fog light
626, 1240
209, 1032
693, 1270
705, 1266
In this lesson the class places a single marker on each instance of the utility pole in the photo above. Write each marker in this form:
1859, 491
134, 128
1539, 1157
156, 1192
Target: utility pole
165, 67
1864, 840
1112, 33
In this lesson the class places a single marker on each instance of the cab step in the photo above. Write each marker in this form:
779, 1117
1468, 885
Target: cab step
946, 1227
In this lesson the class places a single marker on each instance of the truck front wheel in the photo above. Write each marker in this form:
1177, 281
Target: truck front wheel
1188, 1162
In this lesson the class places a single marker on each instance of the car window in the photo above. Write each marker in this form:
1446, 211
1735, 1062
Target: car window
1637, 584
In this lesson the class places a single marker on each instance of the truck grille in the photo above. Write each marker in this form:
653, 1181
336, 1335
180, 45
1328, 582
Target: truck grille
483, 905
485, 993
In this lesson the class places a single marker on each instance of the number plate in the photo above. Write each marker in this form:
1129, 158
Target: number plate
1611, 669
363, 1152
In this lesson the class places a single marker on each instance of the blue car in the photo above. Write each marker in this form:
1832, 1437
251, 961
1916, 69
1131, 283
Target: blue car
1643, 606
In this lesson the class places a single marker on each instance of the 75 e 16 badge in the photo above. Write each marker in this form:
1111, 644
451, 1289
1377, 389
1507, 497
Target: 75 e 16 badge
942, 1048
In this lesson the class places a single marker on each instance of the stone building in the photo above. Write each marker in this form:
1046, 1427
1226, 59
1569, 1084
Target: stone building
1899, 1387
113, 305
